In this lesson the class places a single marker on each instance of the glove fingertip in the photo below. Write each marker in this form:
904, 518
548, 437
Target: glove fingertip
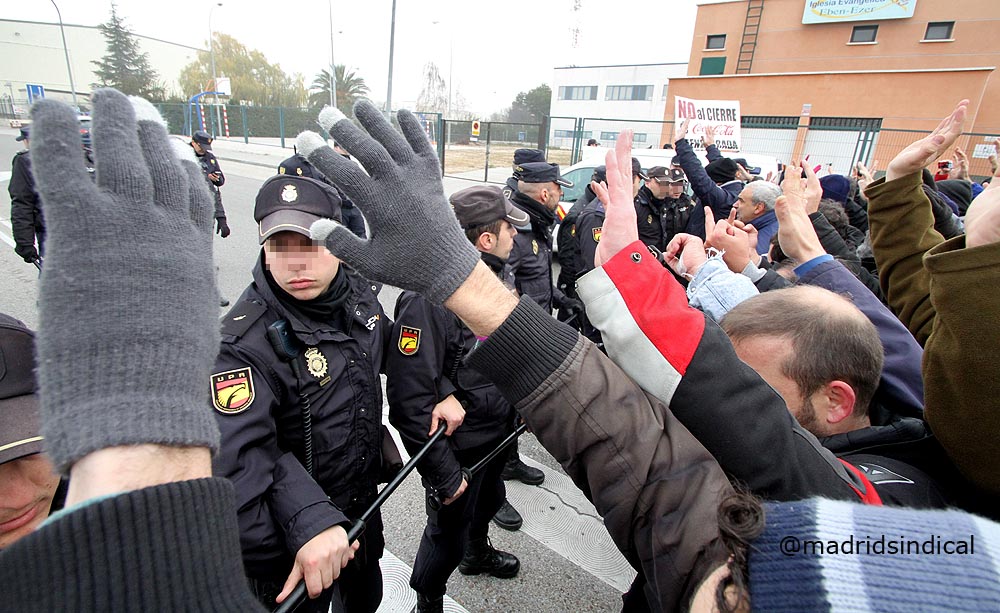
329, 117
145, 111
321, 229
183, 151
308, 141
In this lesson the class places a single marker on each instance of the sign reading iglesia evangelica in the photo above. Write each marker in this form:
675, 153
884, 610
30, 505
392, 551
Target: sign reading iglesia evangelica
833, 11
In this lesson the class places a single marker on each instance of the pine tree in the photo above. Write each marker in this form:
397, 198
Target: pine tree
125, 67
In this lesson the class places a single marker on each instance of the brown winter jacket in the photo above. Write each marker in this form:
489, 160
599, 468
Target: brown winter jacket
656, 486
946, 295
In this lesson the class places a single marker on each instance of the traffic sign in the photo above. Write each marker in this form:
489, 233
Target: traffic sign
475, 128
35, 92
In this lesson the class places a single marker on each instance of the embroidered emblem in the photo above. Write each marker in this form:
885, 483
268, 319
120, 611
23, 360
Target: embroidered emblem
649, 219
597, 234
409, 340
370, 324
289, 193
572, 230
534, 246
232, 391
315, 362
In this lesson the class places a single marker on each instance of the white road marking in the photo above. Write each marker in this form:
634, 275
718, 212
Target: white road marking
397, 595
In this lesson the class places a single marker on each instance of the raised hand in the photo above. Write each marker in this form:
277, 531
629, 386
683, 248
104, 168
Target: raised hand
415, 241
620, 229
685, 255
920, 153
708, 137
796, 234
982, 221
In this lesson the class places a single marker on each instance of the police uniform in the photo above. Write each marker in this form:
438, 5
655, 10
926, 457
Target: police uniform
209, 166
261, 402
425, 365
569, 248
298, 165
26, 221
521, 156
658, 219
531, 259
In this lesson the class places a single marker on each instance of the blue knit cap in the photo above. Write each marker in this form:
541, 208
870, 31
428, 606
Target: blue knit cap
857, 569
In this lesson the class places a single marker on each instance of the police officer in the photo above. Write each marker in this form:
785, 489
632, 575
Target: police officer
299, 166
427, 374
26, 221
539, 189
664, 209
521, 156
569, 247
201, 142
297, 396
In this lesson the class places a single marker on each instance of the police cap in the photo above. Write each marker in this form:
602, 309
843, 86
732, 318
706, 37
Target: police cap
293, 203
20, 434
540, 172
483, 204
203, 138
297, 166
523, 156
662, 174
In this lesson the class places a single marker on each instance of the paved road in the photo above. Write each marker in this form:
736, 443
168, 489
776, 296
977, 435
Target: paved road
567, 560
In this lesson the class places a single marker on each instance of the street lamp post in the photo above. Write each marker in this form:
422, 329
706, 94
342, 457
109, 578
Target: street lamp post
211, 52
451, 62
333, 67
392, 43
69, 68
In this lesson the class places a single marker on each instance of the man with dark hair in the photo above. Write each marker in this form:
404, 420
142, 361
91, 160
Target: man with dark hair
427, 372
296, 393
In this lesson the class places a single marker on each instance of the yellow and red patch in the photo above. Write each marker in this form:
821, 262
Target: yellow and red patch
409, 340
232, 391
597, 235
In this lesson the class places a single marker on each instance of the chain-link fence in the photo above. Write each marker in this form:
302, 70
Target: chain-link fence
484, 151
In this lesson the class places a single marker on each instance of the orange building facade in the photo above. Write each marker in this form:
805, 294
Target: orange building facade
851, 82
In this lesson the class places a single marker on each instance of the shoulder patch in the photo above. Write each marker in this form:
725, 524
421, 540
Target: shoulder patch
238, 320
597, 234
409, 340
232, 390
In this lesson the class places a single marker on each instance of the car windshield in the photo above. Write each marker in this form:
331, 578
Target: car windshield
581, 179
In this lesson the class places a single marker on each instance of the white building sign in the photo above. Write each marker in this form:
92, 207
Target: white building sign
834, 11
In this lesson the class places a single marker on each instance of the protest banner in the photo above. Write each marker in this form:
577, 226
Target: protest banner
723, 115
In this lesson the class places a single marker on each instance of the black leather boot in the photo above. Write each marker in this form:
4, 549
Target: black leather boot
428, 604
481, 557
516, 469
507, 517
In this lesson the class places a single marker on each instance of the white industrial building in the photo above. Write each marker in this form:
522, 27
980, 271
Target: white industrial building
32, 52
599, 101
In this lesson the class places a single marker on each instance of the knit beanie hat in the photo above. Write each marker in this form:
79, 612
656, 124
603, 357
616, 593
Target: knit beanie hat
825, 555
960, 192
722, 170
836, 187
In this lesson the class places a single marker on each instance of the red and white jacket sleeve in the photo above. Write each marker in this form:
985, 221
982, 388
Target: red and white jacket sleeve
682, 357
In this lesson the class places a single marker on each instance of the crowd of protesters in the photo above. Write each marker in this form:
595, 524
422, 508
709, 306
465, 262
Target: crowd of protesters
762, 363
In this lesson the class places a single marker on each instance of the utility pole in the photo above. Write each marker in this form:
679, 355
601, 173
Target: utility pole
333, 67
392, 43
69, 68
211, 51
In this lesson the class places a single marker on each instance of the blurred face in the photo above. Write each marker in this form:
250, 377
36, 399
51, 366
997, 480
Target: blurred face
659, 190
27, 486
674, 190
746, 211
301, 267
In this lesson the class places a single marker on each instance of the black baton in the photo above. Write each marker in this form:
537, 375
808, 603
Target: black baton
298, 595
470, 472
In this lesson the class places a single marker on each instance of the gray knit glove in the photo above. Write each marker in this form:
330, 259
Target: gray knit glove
415, 241
129, 309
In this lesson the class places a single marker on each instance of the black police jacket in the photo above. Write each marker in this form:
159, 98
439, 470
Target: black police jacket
26, 219
424, 365
531, 258
569, 246
210, 165
659, 220
280, 506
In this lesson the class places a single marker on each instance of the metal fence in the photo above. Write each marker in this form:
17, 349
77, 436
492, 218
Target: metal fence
486, 156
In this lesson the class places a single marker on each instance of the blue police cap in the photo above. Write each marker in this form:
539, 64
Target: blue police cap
524, 156
293, 203
540, 172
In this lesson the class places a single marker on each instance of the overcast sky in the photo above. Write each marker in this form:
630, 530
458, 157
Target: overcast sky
500, 47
